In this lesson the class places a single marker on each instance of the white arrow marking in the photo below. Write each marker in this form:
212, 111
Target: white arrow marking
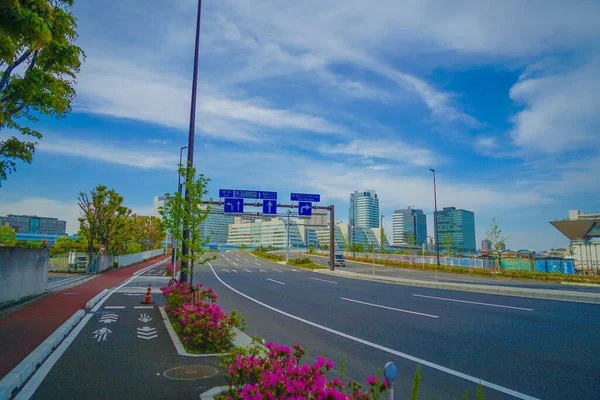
101, 333
144, 318
270, 205
238, 205
230, 205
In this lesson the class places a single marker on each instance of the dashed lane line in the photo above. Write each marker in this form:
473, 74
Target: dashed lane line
473, 302
273, 280
391, 308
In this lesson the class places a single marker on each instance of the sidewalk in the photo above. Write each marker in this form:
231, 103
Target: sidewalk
25, 329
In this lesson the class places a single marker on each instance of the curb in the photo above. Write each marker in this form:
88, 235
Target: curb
94, 300
547, 294
22, 372
581, 284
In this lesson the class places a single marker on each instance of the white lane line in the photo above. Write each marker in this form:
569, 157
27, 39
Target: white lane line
259, 264
323, 280
262, 270
474, 302
277, 270
114, 307
417, 360
295, 270
226, 270
273, 280
234, 263
247, 270
143, 307
233, 270
391, 308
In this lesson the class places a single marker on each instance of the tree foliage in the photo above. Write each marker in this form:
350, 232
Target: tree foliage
179, 214
147, 232
8, 237
103, 219
447, 243
38, 65
63, 244
494, 235
410, 238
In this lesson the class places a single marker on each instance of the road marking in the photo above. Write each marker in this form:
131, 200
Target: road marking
259, 264
234, 263
145, 318
406, 356
226, 270
114, 307
233, 270
473, 302
273, 280
247, 270
277, 270
101, 334
391, 308
294, 270
143, 307
262, 270
108, 318
147, 333
323, 280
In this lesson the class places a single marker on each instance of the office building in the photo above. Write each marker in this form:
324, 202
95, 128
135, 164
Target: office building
409, 227
363, 213
266, 233
33, 224
486, 245
216, 225
456, 227
159, 202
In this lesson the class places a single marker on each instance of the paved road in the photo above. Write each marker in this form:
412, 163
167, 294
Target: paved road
445, 277
109, 360
538, 348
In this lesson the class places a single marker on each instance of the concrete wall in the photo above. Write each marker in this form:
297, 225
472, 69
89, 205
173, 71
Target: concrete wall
23, 273
586, 255
137, 257
105, 262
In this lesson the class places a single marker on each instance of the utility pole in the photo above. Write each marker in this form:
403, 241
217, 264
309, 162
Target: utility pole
437, 241
287, 247
381, 227
190, 153
173, 255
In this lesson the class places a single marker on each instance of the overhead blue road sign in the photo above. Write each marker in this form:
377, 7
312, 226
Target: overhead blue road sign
315, 198
269, 207
226, 193
233, 205
254, 194
304, 208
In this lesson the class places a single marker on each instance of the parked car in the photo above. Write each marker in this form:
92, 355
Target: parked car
339, 260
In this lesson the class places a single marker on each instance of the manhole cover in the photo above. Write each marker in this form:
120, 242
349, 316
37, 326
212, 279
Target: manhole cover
191, 372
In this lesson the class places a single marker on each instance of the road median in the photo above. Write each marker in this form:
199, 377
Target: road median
548, 294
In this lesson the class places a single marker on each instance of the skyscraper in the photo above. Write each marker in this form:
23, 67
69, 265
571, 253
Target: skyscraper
456, 228
363, 212
409, 226
486, 245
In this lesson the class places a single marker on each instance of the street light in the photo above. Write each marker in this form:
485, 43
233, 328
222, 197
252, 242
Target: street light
190, 146
178, 191
437, 242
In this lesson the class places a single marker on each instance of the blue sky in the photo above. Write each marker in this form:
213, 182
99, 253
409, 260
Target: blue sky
501, 98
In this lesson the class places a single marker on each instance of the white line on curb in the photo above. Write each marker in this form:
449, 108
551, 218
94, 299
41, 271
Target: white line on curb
323, 280
473, 302
141, 307
115, 307
391, 308
441, 368
273, 280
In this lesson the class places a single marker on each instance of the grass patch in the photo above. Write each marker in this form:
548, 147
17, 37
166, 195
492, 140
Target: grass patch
267, 256
304, 263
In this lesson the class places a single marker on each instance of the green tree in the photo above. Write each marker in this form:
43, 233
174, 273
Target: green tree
147, 231
38, 65
447, 244
133, 247
371, 248
63, 244
324, 247
103, 219
179, 213
384, 240
8, 237
410, 238
494, 235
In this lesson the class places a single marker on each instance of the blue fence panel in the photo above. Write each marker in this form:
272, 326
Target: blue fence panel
554, 266
541, 265
568, 267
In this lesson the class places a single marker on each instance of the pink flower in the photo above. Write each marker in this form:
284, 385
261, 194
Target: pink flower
371, 380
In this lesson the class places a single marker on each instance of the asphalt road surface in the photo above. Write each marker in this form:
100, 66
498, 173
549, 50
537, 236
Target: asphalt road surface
519, 347
364, 268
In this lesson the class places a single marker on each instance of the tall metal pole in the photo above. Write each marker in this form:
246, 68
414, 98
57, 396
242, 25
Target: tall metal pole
381, 227
178, 191
437, 241
332, 238
190, 153
287, 247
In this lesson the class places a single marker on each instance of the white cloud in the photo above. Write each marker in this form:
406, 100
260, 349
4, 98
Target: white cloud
560, 110
390, 149
116, 153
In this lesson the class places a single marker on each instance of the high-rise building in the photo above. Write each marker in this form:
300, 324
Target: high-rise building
457, 228
486, 245
216, 225
363, 212
409, 226
159, 202
266, 233
35, 225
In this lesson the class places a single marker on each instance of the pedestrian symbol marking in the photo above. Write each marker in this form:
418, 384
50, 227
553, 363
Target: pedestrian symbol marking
146, 333
108, 318
269, 207
233, 205
101, 334
304, 208
144, 318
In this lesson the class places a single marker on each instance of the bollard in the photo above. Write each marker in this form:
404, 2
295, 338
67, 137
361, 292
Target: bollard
390, 371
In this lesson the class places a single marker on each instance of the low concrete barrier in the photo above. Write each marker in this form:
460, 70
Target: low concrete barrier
137, 257
94, 300
23, 273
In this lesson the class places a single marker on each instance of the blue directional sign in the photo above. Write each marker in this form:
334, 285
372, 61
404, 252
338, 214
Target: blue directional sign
269, 207
233, 205
226, 193
304, 208
254, 194
315, 198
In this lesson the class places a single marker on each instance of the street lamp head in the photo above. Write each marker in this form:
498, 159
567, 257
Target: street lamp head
432, 170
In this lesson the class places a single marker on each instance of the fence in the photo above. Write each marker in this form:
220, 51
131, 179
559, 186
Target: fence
565, 266
129, 259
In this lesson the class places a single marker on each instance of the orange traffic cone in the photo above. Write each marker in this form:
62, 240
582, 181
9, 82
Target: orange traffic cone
148, 299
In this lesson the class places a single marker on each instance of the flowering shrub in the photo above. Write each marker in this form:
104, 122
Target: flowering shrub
168, 269
278, 374
200, 323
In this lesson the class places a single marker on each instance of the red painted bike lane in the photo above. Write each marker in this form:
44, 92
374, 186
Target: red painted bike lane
25, 329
